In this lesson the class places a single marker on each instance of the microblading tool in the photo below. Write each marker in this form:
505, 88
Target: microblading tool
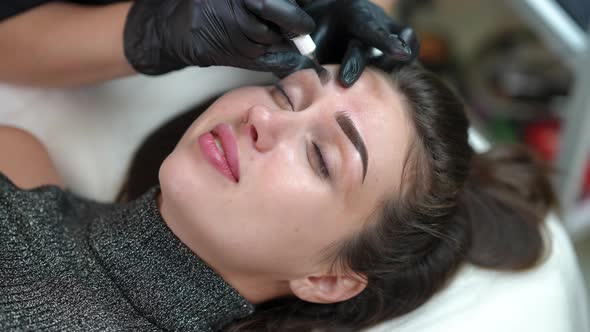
307, 47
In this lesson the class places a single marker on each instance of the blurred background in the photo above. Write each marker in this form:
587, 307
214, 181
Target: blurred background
523, 67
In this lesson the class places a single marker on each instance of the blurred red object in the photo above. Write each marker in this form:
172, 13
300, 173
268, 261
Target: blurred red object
543, 137
434, 50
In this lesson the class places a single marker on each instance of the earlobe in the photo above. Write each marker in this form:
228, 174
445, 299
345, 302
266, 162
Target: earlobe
328, 288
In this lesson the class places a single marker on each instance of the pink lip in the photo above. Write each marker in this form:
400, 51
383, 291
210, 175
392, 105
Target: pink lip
229, 164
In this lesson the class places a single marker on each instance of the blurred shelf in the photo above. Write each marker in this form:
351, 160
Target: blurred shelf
469, 25
577, 221
555, 27
567, 40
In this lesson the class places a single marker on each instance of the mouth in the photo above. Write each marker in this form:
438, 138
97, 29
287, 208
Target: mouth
220, 148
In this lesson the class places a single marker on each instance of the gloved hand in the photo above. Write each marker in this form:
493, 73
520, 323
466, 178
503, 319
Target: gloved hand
348, 29
165, 35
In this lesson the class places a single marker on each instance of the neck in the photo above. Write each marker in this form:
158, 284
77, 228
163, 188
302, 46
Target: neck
254, 288
149, 265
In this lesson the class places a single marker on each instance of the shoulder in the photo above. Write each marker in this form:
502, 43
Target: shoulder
25, 159
30, 206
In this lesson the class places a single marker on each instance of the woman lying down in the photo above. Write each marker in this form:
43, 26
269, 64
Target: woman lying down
293, 207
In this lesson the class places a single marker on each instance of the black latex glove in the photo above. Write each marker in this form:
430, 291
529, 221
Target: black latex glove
348, 29
165, 35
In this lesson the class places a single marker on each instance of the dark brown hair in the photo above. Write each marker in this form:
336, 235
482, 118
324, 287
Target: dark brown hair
455, 206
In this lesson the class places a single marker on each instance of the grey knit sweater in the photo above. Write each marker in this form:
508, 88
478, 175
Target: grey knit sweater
69, 264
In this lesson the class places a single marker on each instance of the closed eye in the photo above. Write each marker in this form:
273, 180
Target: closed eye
281, 89
321, 168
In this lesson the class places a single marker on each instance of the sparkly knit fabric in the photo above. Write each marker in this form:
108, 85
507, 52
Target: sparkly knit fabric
69, 264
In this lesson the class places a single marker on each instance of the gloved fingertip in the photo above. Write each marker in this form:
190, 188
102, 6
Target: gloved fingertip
400, 49
407, 34
353, 65
283, 64
347, 76
270, 60
411, 39
254, 5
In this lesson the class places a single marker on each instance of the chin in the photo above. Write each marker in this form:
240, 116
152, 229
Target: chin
174, 175
185, 180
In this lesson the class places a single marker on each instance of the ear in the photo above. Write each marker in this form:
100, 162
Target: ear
328, 288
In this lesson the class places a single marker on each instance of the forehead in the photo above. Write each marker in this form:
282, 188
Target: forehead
383, 119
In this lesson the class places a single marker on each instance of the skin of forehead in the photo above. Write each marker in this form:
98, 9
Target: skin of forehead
379, 85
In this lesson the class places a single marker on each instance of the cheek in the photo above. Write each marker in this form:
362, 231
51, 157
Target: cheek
293, 207
282, 176
277, 193
272, 223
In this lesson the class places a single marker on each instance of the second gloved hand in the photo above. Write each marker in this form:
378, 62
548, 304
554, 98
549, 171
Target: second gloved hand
348, 30
165, 35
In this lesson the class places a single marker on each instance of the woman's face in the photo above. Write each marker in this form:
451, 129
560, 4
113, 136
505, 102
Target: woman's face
315, 162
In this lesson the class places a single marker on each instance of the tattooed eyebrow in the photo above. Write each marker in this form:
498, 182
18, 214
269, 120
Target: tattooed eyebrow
350, 130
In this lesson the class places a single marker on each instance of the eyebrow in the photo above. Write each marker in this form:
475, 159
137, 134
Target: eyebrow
350, 130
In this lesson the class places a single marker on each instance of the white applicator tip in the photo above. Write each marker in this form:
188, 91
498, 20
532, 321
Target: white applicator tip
305, 44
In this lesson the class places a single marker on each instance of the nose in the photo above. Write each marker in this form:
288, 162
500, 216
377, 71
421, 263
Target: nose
267, 127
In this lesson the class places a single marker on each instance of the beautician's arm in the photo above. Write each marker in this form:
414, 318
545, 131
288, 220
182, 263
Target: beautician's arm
63, 44
24, 159
388, 5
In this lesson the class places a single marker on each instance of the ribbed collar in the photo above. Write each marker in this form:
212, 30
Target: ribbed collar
158, 274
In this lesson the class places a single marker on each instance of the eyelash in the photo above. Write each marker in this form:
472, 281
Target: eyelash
324, 173
280, 88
